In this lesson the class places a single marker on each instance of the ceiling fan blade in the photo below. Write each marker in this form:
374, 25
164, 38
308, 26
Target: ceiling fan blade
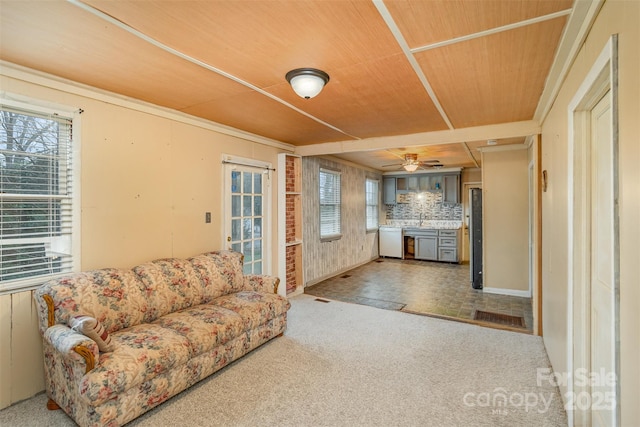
388, 166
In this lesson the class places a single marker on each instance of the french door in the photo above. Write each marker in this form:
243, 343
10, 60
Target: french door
246, 214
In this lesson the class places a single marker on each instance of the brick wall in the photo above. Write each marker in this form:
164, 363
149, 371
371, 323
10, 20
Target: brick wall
291, 268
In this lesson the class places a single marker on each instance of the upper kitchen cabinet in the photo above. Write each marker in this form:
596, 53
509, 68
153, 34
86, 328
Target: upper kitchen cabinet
451, 188
448, 183
430, 182
389, 191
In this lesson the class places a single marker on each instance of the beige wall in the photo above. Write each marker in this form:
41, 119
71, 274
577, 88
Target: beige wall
505, 210
621, 17
322, 260
147, 182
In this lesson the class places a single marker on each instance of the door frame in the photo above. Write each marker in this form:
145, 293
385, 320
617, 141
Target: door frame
602, 77
466, 186
229, 163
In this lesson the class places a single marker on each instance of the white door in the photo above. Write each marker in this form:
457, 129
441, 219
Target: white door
246, 198
602, 297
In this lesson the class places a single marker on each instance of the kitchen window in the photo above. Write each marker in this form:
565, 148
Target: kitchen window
372, 206
330, 205
38, 208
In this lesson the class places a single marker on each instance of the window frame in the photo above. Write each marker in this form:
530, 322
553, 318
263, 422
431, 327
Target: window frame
39, 107
376, 205
337, 178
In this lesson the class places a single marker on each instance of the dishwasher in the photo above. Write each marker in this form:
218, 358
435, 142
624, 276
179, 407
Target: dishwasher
390, 241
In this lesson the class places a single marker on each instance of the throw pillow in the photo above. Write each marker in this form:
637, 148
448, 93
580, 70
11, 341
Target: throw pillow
93, 329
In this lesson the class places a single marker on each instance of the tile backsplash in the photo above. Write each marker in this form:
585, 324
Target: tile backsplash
411, 205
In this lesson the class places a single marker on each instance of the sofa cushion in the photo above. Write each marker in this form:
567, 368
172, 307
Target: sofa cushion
229, 264
255, 308
205, 326
114, 297
141, 353
213, 283
171, 284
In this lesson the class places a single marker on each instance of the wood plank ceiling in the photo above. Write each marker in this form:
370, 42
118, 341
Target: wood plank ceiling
396, 67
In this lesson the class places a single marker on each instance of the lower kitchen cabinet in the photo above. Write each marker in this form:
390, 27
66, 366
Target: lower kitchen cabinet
448, 254
426, 248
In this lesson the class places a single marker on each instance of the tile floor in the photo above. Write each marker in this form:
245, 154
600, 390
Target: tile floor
422, 287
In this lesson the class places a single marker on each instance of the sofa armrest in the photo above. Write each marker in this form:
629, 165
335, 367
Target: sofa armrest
261, 283
73, 346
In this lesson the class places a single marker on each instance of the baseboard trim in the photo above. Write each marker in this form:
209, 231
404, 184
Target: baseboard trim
339, 272
510, 292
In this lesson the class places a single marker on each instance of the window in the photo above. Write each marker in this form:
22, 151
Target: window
329, 205
36, 199
371, 195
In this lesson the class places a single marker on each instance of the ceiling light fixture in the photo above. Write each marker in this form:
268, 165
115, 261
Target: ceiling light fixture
307, 82
411, 162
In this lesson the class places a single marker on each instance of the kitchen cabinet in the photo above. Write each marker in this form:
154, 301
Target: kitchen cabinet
448, 244
448, 184
451, 188
405, 184
434, 244
426, 247
389, 191
430, 182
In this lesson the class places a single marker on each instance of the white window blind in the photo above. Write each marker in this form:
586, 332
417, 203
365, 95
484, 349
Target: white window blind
36, 203
329, 204
371, 195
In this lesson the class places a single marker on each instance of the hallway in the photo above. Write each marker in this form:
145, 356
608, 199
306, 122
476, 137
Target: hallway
422, 287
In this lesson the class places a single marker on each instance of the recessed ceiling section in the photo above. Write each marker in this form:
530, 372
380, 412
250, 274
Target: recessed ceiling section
102, 55
258, 114
365, 101
260, 41
421, 22
500, 76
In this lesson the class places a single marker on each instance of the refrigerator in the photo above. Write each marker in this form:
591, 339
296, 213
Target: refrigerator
475, 237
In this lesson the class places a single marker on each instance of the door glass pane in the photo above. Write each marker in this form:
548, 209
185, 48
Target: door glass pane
235, 229
257, 228
257, 250
236, 247
257, 206
246, 181
257, 183
235, 206
235, 182
246, 229
246, 205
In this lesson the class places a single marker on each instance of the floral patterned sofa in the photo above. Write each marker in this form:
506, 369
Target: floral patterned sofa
171, 323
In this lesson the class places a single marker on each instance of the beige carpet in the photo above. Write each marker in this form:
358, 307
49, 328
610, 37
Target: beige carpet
343, 364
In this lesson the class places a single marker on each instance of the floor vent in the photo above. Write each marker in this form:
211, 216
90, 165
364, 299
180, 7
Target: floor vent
346, 276
501, 319
321, 300
379, 260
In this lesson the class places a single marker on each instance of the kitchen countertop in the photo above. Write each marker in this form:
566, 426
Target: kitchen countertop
427, 224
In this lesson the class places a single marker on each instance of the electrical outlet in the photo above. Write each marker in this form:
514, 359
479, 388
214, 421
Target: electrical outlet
207, 217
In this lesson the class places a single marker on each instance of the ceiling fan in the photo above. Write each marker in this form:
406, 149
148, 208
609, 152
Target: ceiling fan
411, 163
